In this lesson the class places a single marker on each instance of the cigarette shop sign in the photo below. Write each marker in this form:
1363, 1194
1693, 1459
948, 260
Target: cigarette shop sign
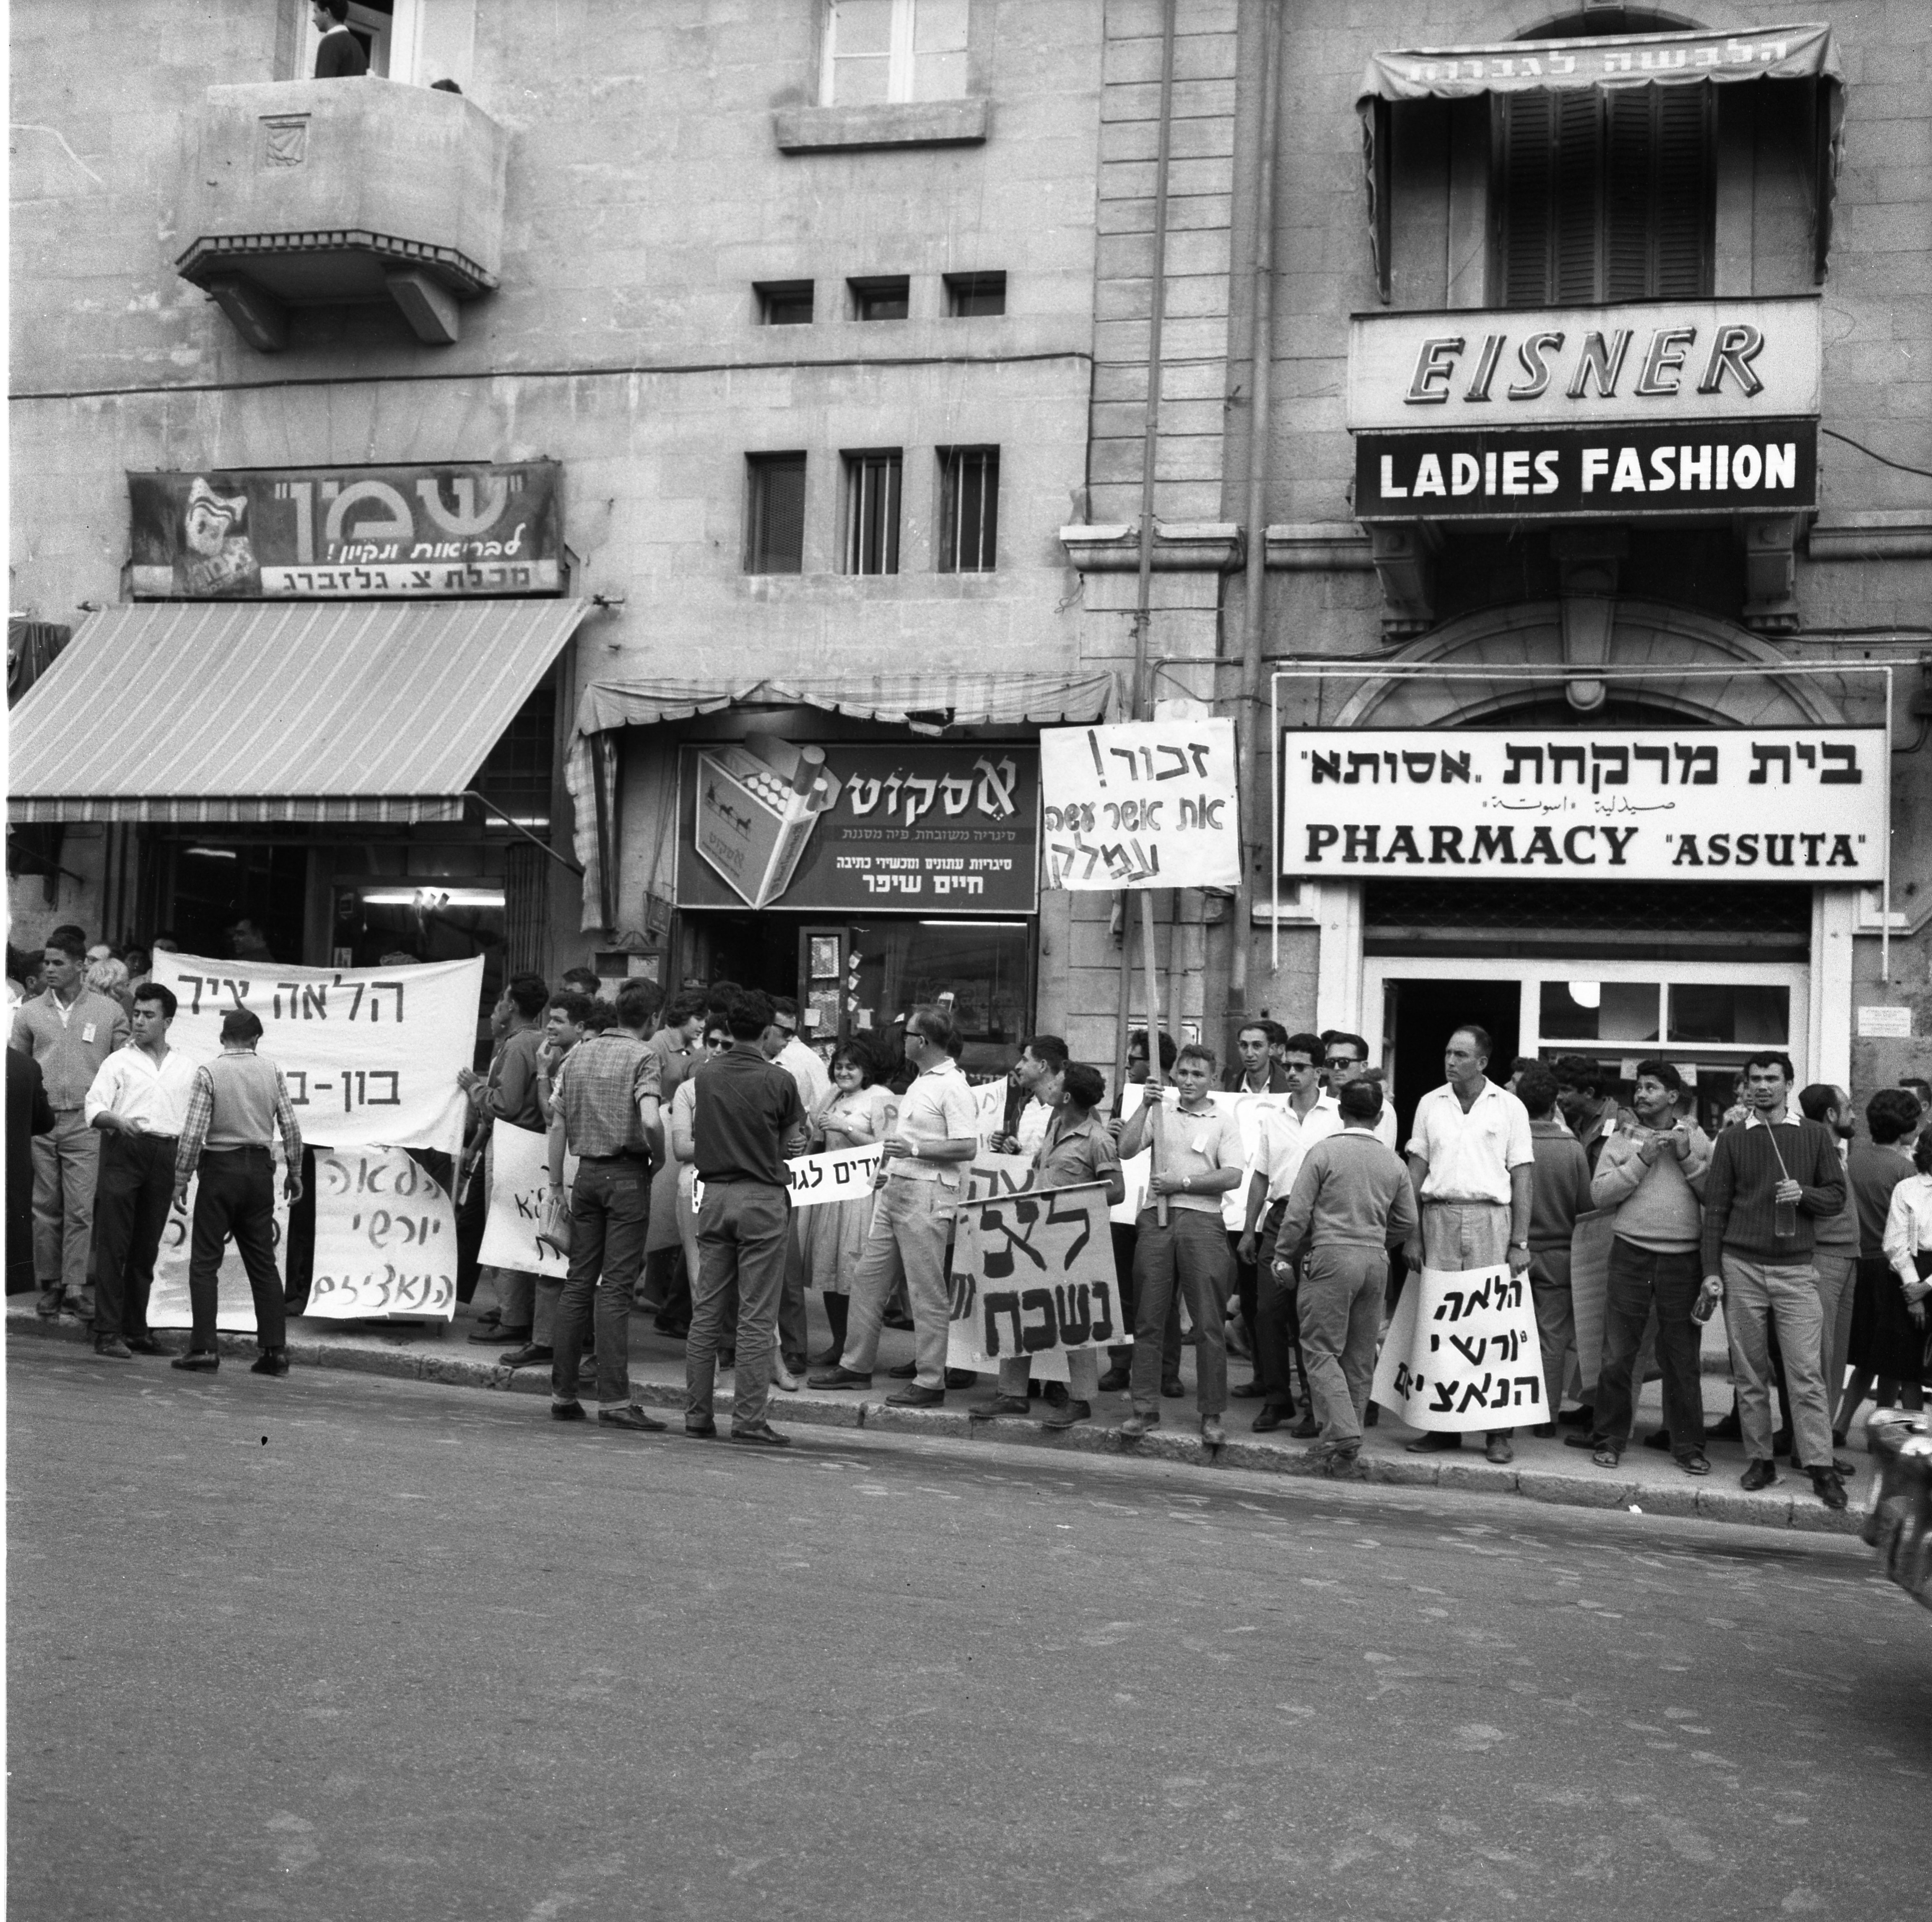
1800, 804
1669, 407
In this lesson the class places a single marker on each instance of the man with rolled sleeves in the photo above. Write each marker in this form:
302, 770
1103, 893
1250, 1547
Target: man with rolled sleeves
1473, 1163
69, 1030
138, 1103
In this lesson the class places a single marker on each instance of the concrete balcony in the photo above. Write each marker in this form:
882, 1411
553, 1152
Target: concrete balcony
325, 193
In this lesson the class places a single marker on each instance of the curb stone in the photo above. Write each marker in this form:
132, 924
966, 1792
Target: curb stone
1779, 1507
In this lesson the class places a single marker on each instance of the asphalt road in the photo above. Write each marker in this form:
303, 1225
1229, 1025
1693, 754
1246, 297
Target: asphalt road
343, 1647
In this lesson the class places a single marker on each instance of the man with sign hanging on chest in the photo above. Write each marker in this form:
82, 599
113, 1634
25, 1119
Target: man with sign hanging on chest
1076, 1149
1474, 1165
745, 1118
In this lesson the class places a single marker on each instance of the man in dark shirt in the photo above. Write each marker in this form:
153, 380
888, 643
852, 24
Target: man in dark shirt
746, 1117
340, 55
508, 1093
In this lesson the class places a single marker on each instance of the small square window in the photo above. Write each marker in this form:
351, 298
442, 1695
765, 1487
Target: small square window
871, 545
971, 295
775, 514
885, 297
969, 509
785, 303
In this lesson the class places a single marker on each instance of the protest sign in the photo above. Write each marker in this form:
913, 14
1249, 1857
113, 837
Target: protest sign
168, 1304
384, 1239
1589, 1290
519, 1185
369, 1053
1144, 804
842, 1174
1032, 1276
1462, 1352
989, 1174
989, 1101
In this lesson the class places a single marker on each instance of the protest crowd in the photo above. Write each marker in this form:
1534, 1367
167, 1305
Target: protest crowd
1270, 1214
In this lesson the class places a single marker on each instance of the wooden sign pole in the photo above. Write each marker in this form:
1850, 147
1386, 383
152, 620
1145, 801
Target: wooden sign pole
1156, 1028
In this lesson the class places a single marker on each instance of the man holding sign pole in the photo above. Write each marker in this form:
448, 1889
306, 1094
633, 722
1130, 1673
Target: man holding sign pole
745, 1117
1474, 1166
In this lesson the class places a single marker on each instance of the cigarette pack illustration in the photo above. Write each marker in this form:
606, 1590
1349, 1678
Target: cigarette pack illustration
756, 805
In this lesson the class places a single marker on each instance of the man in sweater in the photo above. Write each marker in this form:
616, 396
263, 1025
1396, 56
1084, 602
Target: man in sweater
1653, 1175
1350, 1198
1771, 1180
339, 54
70, 1030
239, 1102
1562, 1193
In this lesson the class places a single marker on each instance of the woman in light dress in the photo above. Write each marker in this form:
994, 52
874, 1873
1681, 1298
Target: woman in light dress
1894, 1346
860, 1112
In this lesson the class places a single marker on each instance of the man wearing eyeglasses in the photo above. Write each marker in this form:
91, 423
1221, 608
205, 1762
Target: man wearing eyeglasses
1346, 1058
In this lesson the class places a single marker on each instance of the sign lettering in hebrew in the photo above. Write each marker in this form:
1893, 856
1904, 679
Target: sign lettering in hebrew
369, 1054
168, 1304
384, 1239
1462, 1352
843, 1174
274, 534
1146, 804
1033, 1277
1704, 804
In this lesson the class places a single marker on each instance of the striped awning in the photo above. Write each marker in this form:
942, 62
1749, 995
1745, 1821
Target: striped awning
312, 712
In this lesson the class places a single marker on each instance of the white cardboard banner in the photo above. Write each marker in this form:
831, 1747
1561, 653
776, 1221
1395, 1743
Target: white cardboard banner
369, 1054
1032, 1276
519, 1187
842, 1174
1462, 1352
168, 1304
384, 1239
1691, 804
1144, 804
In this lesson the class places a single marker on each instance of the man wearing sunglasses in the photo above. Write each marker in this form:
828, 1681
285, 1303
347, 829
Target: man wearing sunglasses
1345, 1057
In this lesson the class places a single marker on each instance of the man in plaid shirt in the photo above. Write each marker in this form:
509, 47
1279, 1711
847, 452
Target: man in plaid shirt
238, 1098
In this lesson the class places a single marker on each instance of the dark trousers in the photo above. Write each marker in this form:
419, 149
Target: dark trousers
742, 1229
610, 1214
131, 1209
1126, 1238
1638, 1277
235, 1195
1278, 1338
1189, 1255
1247, 1293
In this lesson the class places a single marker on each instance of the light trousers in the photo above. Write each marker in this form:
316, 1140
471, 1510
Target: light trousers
1753, 1292
912, 1223
1340, 1300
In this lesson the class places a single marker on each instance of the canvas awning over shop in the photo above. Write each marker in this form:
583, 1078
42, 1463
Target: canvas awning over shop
1606, 64
300, 711
927, 704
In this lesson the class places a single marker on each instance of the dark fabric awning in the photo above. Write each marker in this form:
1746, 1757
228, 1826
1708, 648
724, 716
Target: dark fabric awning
297, 711
1605, 64
927, 702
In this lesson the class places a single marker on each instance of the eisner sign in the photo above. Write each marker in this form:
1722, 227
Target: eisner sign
1664, 407
1633, 805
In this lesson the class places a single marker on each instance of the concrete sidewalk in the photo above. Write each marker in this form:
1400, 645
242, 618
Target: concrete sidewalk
1544, 1470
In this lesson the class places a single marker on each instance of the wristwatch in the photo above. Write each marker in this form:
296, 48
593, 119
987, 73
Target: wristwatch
1523, 1245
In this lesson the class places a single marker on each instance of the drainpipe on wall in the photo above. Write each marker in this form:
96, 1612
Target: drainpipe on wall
1247, 712
1142, 701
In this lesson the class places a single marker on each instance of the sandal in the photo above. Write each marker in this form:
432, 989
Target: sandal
1694, 1463
1608, 1454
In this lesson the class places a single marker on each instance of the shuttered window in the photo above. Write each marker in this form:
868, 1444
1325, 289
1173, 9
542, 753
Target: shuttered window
1605, 196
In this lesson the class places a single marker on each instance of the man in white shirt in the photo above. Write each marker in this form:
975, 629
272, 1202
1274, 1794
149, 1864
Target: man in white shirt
1474, 1165
924, 1176
1042, 1057
1285, 1135
1346, 1058
138, 1103
781, 1043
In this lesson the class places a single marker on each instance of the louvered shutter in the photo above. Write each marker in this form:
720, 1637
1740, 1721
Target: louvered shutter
1629, 154
1528, 165
1681, 218
1579, 168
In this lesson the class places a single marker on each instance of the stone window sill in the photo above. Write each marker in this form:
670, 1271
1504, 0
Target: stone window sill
833, 129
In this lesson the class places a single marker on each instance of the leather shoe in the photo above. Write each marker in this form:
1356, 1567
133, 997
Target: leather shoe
838, 1377
1173, 1387
112, 1348
760, 1434
906, 1372
999, 1405
1829, 1487
1267, 1421
1576, 1417
1433, 1444
1780, 1443
1137, 1424
568, 1411
496, 1336
1497, 1449
1248, 1391
271, 1361
1116, 1381
1579, 1438
914, 1396
1659, 1439
631, 1417
1757, 1474
1064, 1414
1307, 1428
1212, 1432
701, 1431
527, 1357
145, 1345
961, 1377
198, 1361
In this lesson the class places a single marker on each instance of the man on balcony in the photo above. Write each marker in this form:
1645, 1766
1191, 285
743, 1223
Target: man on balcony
340, 55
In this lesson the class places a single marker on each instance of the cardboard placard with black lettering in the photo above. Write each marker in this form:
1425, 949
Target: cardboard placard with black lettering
1462, 1354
